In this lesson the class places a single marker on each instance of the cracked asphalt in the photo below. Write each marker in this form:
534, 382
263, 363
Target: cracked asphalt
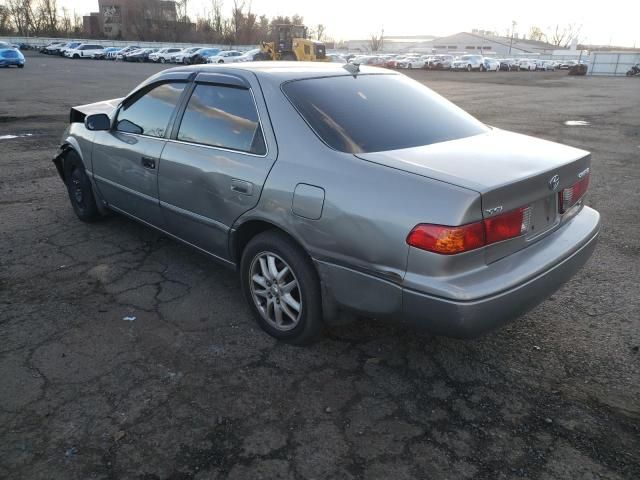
192, 389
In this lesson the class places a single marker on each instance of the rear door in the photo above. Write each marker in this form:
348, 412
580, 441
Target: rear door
126, 159
217, 160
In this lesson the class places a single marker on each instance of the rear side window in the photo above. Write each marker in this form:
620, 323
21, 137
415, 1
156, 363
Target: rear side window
373, 113
150, 113
222, 117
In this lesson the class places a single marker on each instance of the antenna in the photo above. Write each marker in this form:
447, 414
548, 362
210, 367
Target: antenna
352, 68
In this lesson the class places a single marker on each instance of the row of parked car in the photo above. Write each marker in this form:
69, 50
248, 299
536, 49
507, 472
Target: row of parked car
461, 62
135, 53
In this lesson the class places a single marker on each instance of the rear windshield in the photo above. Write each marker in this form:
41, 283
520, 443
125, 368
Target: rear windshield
374, 113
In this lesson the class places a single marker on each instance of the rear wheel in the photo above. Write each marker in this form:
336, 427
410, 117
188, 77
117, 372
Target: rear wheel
282, 288
468, 68
79, 188
483, 68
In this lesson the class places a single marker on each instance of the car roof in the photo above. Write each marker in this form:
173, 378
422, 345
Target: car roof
279, 71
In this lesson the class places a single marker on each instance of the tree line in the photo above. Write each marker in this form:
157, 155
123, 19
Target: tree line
148, 21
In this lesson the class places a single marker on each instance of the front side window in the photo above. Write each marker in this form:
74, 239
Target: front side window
150, 113
222, 117
373, 113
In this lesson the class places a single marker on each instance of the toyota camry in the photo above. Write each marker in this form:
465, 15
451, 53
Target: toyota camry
338, 191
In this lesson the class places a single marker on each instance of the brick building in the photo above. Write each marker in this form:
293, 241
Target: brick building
132, 19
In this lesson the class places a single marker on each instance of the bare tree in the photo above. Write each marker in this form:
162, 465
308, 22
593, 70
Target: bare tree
182, 10
536, 33
562, 35
376, 41
5, 20
66, 23
21, 15
320, 31
237, 17
217, 20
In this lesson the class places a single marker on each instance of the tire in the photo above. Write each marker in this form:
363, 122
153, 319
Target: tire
20, 66
266, 297
483, 68
409, 67
220, 61
468, 68
261, 56
76, 56
79, 188
162, 60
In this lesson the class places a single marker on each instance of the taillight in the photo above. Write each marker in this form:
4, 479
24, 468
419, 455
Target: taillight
508, 225
447, 240
568, 197
451, 240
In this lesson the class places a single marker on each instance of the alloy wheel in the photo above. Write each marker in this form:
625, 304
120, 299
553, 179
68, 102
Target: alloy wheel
275, 291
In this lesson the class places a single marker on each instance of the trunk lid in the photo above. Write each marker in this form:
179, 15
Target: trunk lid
508, 170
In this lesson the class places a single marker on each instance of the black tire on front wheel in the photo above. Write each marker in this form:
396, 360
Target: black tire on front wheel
310, 324
79, 188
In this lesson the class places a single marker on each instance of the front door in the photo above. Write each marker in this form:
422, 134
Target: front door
126, 159
214, 166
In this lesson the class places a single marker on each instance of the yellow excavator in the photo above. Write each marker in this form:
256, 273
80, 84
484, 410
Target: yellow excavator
292, 44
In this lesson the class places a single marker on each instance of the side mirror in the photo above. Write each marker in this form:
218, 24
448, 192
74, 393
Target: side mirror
98, 121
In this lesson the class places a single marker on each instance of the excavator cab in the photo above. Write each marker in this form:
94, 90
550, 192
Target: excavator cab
292, 44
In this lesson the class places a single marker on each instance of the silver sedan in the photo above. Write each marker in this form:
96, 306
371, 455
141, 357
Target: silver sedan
337, 191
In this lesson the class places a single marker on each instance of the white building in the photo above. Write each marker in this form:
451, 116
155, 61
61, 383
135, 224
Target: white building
463, 42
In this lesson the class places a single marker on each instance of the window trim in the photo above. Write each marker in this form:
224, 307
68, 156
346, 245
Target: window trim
173, 138
142, 92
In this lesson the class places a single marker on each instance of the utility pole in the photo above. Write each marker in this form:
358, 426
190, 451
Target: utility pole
513, 27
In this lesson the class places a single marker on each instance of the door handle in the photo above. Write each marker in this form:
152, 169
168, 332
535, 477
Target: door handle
241, 186
148, 162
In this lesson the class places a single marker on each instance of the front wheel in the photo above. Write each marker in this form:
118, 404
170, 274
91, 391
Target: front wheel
162, 60
79, 188
282, 288
468, 68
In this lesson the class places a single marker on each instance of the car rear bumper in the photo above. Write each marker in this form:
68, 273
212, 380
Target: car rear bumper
542, 269
564, 253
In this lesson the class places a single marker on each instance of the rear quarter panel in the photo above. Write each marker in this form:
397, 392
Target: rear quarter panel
368, 209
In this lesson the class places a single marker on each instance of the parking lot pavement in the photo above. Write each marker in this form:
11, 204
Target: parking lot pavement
126, 355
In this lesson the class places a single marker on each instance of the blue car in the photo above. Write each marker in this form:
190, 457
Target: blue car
11, 56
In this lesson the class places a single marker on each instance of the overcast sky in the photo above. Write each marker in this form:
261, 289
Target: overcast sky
614, 21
